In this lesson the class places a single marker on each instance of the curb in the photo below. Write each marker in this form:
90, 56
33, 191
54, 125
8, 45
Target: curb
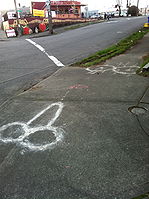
145, 68
3, 40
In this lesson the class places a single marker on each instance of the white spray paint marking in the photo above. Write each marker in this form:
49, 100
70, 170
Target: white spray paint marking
62, 99
26, 131
123, 69
112, 22
52, 58
119, 32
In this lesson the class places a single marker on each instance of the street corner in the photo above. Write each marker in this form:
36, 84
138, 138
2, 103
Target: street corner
63, 82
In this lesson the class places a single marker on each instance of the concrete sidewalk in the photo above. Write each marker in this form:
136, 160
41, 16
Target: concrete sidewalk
83, 135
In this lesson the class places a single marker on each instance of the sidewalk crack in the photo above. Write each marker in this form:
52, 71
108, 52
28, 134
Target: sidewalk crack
142, 126
139, 101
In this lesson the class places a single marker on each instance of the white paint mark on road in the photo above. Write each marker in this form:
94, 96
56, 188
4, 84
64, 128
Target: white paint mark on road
37, 45
52, 58
62, 99
26, 131
112, 22
119, 32
123, 69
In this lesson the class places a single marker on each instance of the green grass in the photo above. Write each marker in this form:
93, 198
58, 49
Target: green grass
114, 50
139, 71
82, 25
142, 196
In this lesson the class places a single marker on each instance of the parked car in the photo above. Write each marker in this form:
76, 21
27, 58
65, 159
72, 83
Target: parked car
97, 16
101, 15
116, 14
124, 13
94, 17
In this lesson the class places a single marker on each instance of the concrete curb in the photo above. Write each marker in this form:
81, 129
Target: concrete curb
145, 68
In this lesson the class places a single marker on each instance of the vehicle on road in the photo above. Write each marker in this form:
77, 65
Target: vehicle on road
97, 16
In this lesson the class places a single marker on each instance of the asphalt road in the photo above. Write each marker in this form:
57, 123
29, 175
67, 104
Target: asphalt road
23, 65
102, 148
72, 136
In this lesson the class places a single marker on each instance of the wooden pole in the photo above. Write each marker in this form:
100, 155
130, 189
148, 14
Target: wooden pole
18, 24
127, 6
138, 4
48, 5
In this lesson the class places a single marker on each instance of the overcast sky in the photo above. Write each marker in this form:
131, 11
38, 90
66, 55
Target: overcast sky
92, 4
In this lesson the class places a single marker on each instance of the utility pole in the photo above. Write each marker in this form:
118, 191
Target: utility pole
17, 17
146, 10
138, 4
127, 6
119, 7
138, 7
48, 6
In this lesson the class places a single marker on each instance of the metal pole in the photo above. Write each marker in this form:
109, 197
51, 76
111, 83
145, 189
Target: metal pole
18, 24
138, 7
138, 4
127, 4
48, 5
127, 7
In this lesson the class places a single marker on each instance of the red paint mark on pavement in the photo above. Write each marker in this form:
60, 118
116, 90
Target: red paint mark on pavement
77, 86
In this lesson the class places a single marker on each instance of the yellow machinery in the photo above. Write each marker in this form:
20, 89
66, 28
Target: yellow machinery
146, 25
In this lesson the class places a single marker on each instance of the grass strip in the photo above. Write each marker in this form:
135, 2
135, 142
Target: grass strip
82, 25
114, 50
142, 196
139, 71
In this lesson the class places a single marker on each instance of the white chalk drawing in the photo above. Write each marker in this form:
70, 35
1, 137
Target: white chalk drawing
123, 69
26, 130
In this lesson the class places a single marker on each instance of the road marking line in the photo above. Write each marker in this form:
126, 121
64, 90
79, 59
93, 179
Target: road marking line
112, 22
52, 58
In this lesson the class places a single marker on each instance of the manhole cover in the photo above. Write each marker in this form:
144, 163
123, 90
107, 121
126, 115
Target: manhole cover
137, 110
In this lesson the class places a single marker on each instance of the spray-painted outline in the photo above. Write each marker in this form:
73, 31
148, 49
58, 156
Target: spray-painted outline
116, 69
22, 139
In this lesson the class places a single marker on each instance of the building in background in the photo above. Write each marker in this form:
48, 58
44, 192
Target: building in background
144, 11
93, 12
60, 9
24, 11
1, 17
34, 19
11, 14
